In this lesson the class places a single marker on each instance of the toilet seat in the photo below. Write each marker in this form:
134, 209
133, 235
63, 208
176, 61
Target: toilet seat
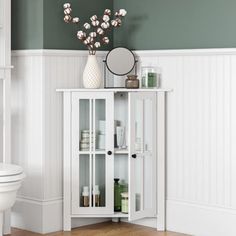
10, 173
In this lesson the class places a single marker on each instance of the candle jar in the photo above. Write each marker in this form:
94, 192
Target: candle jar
150, 77
132, 82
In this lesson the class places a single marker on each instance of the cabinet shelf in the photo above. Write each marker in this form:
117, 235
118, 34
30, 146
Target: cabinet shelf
116, 151
121, 151
93, 152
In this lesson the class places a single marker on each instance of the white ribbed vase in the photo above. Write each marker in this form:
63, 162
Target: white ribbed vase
92, 76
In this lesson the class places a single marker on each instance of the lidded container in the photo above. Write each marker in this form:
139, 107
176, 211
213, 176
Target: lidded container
85, 196
96, 196
125, 202
132, 82
150, 77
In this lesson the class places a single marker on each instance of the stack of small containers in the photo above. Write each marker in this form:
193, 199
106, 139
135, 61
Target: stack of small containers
85, 140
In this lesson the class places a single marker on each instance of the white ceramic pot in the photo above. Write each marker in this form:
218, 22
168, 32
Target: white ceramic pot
92, 76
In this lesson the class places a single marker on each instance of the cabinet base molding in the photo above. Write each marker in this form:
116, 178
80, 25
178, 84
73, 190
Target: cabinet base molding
148, 222
196, 219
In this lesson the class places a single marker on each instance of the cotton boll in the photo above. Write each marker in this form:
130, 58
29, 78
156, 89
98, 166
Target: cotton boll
93, 18
90, 39
67, 18
105, 25
93, 34
107, 12
114, 23
97, 44
81, 34
105, 40
87, 26
95, 23
122, 12
75, 20
67, 11
118, 20
86, 42
106, 18
100, 31
66, 5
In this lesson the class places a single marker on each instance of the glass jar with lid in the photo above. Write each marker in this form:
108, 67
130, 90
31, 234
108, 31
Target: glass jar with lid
125, 203
150, 77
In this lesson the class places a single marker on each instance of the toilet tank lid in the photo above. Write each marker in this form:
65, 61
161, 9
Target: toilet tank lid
9, 169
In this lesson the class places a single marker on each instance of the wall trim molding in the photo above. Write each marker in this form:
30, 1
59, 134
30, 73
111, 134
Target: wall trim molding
51, 52
39, 201
150, 53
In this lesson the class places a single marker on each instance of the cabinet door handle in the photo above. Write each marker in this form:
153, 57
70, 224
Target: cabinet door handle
134, 155
109, 153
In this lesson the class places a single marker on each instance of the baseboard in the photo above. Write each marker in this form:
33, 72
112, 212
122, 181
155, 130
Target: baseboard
43, 216
37, 216
200, 220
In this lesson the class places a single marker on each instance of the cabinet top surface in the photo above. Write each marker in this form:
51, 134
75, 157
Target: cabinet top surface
114, 90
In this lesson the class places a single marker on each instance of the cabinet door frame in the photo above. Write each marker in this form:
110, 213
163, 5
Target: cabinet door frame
109, 159
133, 215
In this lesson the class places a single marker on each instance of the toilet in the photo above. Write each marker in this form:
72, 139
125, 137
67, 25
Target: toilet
11, 177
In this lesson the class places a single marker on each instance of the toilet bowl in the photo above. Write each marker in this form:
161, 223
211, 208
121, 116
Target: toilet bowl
11, 177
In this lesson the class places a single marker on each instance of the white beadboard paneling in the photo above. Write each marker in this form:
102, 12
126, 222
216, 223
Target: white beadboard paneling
27, 122
233, 133
37, 114
201, 128
201, 125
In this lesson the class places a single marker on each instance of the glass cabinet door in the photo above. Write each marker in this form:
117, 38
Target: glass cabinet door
92, 153
142, 160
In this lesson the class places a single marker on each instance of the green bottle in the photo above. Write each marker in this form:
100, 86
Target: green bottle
117, 195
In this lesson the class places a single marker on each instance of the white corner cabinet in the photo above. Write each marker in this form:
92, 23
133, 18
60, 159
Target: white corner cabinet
92, 160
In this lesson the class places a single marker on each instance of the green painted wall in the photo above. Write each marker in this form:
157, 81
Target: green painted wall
27, 24
175, 24
38, 24
150, 24
59, 35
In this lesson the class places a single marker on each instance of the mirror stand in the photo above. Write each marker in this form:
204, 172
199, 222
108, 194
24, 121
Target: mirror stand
108, 74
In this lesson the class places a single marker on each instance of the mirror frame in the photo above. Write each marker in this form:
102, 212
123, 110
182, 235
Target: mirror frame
135, 61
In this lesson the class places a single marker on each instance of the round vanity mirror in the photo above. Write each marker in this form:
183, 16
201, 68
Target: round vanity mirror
120, 61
